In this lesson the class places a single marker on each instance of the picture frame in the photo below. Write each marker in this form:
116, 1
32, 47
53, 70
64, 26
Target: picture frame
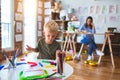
18, 27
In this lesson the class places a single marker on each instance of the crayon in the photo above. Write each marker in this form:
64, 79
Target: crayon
40, 64
20, 63
1, 67
31, 62
33, 65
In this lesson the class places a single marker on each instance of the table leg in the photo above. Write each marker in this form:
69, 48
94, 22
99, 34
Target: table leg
105, 40
111, 53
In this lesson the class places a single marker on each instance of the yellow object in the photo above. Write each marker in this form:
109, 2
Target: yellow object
25, 53
86, 62
81, 32
91, 62
49, 66
69, 58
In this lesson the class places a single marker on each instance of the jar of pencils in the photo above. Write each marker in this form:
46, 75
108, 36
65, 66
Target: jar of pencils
60, 57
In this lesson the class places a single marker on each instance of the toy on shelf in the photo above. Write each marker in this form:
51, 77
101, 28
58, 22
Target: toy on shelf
56, 10
74, 18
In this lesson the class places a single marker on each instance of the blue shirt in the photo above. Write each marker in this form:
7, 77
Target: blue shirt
86, 38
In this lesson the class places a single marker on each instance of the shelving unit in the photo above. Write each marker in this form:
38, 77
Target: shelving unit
62, 26
43, 15
18, 18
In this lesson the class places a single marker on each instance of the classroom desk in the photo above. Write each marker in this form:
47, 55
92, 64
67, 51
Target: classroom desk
13, 73
106, 39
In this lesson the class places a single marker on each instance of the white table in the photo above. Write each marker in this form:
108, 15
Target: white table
13, 73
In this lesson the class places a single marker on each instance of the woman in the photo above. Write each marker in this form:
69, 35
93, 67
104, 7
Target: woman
88, 29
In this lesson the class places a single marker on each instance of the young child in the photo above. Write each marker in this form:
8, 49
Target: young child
47, 46
88, 39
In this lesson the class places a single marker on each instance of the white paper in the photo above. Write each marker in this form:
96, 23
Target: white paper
112, 8
18, 16
39, 25
113, 19
39, 33
105, 9
18, 37
47, 5
92, 9
98, 9
39, 4
33, 73
47, 19
39, 11
39, 18
48, 11
20, 8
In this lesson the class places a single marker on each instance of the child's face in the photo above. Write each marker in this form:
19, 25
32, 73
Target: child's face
49, 36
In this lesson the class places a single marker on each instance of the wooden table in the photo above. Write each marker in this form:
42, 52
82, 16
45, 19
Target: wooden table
107, 38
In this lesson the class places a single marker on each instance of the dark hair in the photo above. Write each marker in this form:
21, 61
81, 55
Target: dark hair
89, 17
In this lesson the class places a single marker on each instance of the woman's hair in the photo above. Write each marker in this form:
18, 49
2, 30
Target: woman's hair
89, 17
51, 25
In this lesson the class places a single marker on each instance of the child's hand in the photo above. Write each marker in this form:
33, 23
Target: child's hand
28, 48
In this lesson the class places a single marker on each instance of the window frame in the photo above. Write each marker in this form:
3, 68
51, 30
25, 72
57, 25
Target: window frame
12, 24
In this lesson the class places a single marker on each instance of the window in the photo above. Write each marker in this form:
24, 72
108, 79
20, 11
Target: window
29, 23
6, 24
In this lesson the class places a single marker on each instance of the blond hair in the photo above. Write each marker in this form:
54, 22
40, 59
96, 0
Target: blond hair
51, 25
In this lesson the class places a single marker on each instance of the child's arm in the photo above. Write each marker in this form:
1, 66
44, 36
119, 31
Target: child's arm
31, 49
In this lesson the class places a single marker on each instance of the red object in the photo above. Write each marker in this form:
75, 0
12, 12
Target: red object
32, 64
54, 70
22, 59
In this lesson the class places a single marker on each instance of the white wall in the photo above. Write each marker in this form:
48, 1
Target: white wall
101, 20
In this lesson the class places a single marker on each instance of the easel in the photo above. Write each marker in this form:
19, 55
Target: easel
69, 42
107, 38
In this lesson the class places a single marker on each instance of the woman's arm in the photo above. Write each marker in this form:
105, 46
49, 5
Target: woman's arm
93, 28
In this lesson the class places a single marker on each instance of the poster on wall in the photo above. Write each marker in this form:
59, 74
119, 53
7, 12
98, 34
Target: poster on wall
39, 25
39, 33
18, 16
112, 9
92, 9
20, 7
18, 37
18, 27
98, 9
39, 11
39, 18
83, 10
113, 19
39, 4
105, 9
48, 11
47, 5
